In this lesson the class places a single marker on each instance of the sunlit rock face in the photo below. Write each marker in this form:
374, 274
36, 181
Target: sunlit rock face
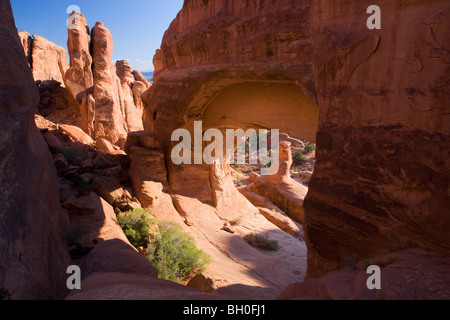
231, 65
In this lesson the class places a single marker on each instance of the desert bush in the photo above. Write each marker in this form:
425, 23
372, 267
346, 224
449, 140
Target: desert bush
175, 255
299, 158
262, 241
310, 147
236, 222
137, 226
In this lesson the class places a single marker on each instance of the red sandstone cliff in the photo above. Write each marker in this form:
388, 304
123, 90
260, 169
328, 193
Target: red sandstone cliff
32, 245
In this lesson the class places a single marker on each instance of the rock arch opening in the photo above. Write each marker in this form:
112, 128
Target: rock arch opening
223, 216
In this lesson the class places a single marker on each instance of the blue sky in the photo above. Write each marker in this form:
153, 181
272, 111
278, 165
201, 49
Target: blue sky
137, 26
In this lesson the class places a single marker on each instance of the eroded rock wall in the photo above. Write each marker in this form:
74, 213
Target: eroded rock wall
33, 254
382, 174
212, 53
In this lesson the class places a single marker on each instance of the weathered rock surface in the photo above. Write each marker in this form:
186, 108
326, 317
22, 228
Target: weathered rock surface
49, 61
109, 116
77, 134
140, 77
383, 112
27, 44
280, 188
79, 77
382, 171
130, 286
33, 254
412, 274
125, 72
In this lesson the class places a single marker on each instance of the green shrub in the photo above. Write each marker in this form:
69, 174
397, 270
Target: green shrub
137, 226
175, 255
310, 147
299, 158
262, 241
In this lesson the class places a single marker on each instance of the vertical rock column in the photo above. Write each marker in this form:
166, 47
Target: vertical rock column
133, 115
109, 117
79, 78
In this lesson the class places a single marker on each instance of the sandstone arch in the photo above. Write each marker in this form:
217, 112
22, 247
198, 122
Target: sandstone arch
381, 105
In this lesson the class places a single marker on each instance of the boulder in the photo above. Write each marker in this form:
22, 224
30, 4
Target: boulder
108, 188
143, 139
77, 134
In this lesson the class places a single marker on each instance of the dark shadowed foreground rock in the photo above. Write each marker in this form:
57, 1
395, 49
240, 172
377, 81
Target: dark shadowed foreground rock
382, 174
33, 254
412, 274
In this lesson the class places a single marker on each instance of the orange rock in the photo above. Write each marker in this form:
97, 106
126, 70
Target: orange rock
109, 121
79, 78
77, 134
49, 61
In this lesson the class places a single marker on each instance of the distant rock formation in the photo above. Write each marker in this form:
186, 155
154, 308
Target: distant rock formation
109, 97
50, 60
109, 113
79, 78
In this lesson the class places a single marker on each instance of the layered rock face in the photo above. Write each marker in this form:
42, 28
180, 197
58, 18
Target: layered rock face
381, 178
50, 60
218, 64
382, 171
33, 255
231, 73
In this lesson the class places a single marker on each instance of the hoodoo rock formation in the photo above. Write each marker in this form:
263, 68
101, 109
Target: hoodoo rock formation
109, 113
109, 98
